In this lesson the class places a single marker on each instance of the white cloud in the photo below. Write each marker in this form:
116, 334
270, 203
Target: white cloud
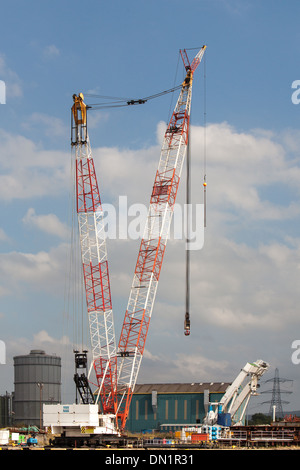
240, 165
199, 367
51, 51
182, 367
40, 272
28, 170
126, 172
51, 126
39, 340
11, 78
48, 223
3, 236
95, 118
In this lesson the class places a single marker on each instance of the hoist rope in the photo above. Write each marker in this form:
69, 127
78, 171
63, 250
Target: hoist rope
204, 137
187, 248
188, 202
122, 102
74, 312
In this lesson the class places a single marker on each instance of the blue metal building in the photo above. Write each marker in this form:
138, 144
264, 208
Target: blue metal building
165, 407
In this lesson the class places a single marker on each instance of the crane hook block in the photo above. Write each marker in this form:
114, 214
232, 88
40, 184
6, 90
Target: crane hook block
187, 324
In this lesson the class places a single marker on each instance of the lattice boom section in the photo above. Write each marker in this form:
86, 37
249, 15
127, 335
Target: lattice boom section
96, 275
97, 285
102, 334
137, 317
88, 198
165, 188
149, 260
92, 237
106, 373
178, 126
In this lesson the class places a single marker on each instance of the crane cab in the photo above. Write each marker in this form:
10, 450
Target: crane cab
79, 121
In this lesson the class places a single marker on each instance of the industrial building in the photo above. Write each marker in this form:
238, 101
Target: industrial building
37, 380
169, 407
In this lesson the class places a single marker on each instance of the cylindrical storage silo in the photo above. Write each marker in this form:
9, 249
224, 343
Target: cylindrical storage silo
37, 379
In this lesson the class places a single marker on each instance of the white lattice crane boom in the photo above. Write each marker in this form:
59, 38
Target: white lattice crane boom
153, 244
94, 257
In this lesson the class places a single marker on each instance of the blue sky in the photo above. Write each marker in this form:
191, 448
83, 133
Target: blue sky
245, 299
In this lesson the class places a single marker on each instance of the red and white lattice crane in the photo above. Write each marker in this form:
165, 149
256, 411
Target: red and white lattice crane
117, 367
94, 258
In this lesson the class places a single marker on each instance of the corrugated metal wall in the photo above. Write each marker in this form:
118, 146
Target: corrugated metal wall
172, 409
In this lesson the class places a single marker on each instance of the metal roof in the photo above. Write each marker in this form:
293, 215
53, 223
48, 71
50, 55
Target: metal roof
196, 387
